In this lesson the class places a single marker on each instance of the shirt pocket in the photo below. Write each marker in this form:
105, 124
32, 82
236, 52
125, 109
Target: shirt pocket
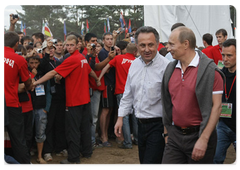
153, 92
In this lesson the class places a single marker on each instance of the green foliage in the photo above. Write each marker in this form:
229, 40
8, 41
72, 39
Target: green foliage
75, 15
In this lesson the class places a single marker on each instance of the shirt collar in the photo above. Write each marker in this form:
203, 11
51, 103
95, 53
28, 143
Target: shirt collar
194, 62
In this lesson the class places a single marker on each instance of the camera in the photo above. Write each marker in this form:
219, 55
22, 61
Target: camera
93, 45
39, 50
112, 48
18, 52
15, 16
131, 34
54, 41
30, 43
118, 31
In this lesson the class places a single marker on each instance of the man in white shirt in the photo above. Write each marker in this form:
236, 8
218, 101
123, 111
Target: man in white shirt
143, 92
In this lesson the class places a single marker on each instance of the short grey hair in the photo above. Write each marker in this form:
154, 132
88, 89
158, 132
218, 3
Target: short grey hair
146, 29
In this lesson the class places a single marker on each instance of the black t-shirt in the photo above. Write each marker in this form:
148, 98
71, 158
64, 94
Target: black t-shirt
109, 77
230, 122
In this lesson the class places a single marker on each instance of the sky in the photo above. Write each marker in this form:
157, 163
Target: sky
10, 9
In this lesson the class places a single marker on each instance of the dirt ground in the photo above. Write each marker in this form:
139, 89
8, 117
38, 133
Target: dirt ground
115, 155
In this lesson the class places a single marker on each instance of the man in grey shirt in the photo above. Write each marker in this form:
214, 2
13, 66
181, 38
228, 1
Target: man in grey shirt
143, 92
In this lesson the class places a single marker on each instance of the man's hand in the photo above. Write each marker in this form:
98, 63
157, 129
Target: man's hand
34, 71
58, 77
118, 126
98, 82
111, 55
13, 21
199, 149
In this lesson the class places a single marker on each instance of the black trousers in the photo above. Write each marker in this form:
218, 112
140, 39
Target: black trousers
55, 130
150, 142
28, 128
15, 130
179, 148
78, 132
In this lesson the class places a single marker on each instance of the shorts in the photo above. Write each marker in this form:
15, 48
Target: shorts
108, 96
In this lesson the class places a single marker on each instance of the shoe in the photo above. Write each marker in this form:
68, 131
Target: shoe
135, 142
48, 157
124, 147
62, 153
106, 144
65, 161
95, 145
41, 161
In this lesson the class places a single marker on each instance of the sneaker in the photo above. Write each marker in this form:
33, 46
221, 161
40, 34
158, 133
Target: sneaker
65, 161
62, 153
95, 145
41, 161
48, 157
124, 147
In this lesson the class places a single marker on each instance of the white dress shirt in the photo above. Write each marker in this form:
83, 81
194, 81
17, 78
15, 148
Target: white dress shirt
143, 88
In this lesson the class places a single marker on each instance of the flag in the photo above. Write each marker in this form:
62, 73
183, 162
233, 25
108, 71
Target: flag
104, 26
24, 29
108, 25
87, 29
129, 26
122, 20
82, 29
21, 27
65, 31
46, 30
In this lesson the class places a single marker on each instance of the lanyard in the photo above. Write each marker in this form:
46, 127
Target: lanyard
227, 96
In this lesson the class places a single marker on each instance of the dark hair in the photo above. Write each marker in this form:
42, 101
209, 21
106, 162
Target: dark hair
22, 49
208, 38
122, 45
163, 51
221, 31
29, 47
174, 26
39, 35
36, 57
229, 42
146, 29
88, 36
26, 38
106, 33
10, 39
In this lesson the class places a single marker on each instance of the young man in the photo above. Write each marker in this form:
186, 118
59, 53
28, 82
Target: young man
207, 42
38, 37
216, 51
143, 92
226, 128
75, 69
89, 38
122, 64
15, 66
191, 94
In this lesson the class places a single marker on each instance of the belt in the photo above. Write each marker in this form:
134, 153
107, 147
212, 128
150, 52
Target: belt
150, 120
188, 130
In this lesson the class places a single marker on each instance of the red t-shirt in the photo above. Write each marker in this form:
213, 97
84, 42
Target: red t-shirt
75, 69
216, 54
207, 51
85, 51
185, 110
27, 106
92, 81
160, 46
122, 64
15, 66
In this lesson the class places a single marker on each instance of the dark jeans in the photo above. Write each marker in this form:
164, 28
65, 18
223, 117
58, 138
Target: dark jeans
55, 130
150, 142
78, 132
179, 148
28, 128
16, 132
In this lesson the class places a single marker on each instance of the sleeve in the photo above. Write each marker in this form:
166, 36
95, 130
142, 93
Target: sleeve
23, 71
126, 102
66, 67
218, 83
101, 56
113, 62
92, 61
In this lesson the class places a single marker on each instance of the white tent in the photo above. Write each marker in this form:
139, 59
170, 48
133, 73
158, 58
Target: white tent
201, 19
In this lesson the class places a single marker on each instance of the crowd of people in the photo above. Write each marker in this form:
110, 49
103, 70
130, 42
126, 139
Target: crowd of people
176, 102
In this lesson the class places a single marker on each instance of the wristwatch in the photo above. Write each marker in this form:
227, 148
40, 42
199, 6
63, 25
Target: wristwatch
164, 135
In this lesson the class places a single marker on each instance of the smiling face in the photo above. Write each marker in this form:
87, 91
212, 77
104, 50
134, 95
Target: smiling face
147, 46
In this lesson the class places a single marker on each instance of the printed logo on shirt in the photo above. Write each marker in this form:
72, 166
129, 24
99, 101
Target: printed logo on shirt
84, 61
126, 61
9, 62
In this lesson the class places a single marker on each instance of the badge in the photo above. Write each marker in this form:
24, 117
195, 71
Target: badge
39, 89
226, 110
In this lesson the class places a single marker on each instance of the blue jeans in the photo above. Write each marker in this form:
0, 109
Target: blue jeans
40, 119
225, 136
95, 100
126, 126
